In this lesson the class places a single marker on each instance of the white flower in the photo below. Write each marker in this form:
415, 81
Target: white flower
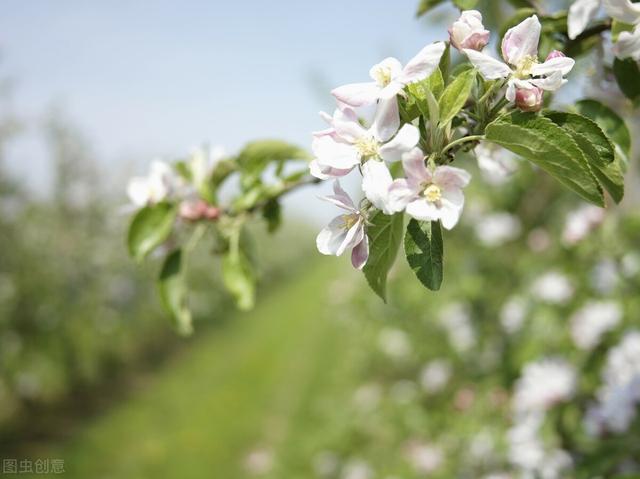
339, 150
497, 228
394, 343
628, 44
424, 458
456, 320
390, 77
522, 69
604, 276
357, 469
553, 287
495, 163
468, 31
593, 320
202, 163
161, 183
513, 314
345, 231
543, 384
435, 375
429, 195
581, 222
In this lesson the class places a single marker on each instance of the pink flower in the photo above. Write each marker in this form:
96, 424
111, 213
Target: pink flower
469, 32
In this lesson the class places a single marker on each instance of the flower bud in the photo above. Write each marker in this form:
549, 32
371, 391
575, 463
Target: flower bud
469, 32
529, 99
198, 210
555, 54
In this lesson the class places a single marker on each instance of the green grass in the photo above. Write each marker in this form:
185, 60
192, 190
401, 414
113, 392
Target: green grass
261, 380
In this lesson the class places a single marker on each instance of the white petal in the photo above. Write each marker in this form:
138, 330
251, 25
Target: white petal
551, 83
330, 153
340, 198
357, 94
360, 253
414, 167
138, 191
510, 94
401, 193
423, 210
389, 66
330, 239
350, 131
387, 120
326, 172
376, 180
354, 236
521, 41
449, 213
622, 10
562, 64
406, 139
450, 176
423, 64
581, 13
391, 90
489, 67
628, 45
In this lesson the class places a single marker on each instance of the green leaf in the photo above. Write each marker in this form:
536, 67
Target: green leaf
238, 274
417, 103
426, 5
150, 227
257, 155
385, 235
618, 27
610, 122
550, 147
424, 250
597, 149
445, 63
456, 95
627, 74
272, 213
173, 292
465, 4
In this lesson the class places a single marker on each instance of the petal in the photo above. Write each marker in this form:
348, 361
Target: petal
414, 167
326, 172
353, 237
401, 193
331, 237
423, 64
450, 176
423, 210
340, 198
391, 90
349, 131
376, 180
453, 196
628, 45
390, 67
138, 191
551, 83
521, 41
449, 213
562, 64
330, 153
360, 253
622, 10
581, 13
489, 67
386, 121
357, 94
406, 139
510, 94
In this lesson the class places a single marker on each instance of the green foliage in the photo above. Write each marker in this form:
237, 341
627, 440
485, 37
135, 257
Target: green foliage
426, 5
550, 147
385, 236
465, 4
257, 155
418, 102
173, 292
238, 273
150, 227
610, 122
627, 74
424, 250
272, 213
456, 95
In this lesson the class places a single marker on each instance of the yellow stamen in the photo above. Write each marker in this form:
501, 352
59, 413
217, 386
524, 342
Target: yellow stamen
368, 147
382, 76
432, 193
524, 67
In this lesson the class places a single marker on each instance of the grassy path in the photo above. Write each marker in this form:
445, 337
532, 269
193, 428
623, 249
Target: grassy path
253, 382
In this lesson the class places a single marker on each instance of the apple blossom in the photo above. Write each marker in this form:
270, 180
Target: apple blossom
522, 69
468, 31
581, 13
429, 194
194, 210
345, 231
390, 77
628, 44
339, 150
529, 99
543, 384
160, 184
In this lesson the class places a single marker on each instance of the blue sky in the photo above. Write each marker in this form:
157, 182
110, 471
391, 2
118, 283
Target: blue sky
147, 79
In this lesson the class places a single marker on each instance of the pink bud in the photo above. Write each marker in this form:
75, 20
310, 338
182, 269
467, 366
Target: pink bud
469, 32
529, 99
198, 210
555, 54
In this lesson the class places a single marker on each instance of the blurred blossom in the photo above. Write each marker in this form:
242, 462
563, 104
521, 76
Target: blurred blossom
631, 264
543, 384
424, 458
538, 240
357, 469
367, 396
403, 392
457, 322
593, 320
482, 446
161, 183
604, 276
435, 375
325, 463
394, 343
259, 462
496, 164
620, 392
581, 222
497, 228
464, 399
498, 475
552, 287
513, 314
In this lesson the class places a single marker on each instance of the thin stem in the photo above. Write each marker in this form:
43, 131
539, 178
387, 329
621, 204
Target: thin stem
462, 140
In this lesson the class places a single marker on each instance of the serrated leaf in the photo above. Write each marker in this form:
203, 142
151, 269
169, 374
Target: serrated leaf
627, 74
173, 292
150, 227
456, 95
425, 5
597, 149
424, 250
610, 122
385, 236
550, 147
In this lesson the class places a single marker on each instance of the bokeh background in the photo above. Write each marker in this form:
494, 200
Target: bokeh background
321, 379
